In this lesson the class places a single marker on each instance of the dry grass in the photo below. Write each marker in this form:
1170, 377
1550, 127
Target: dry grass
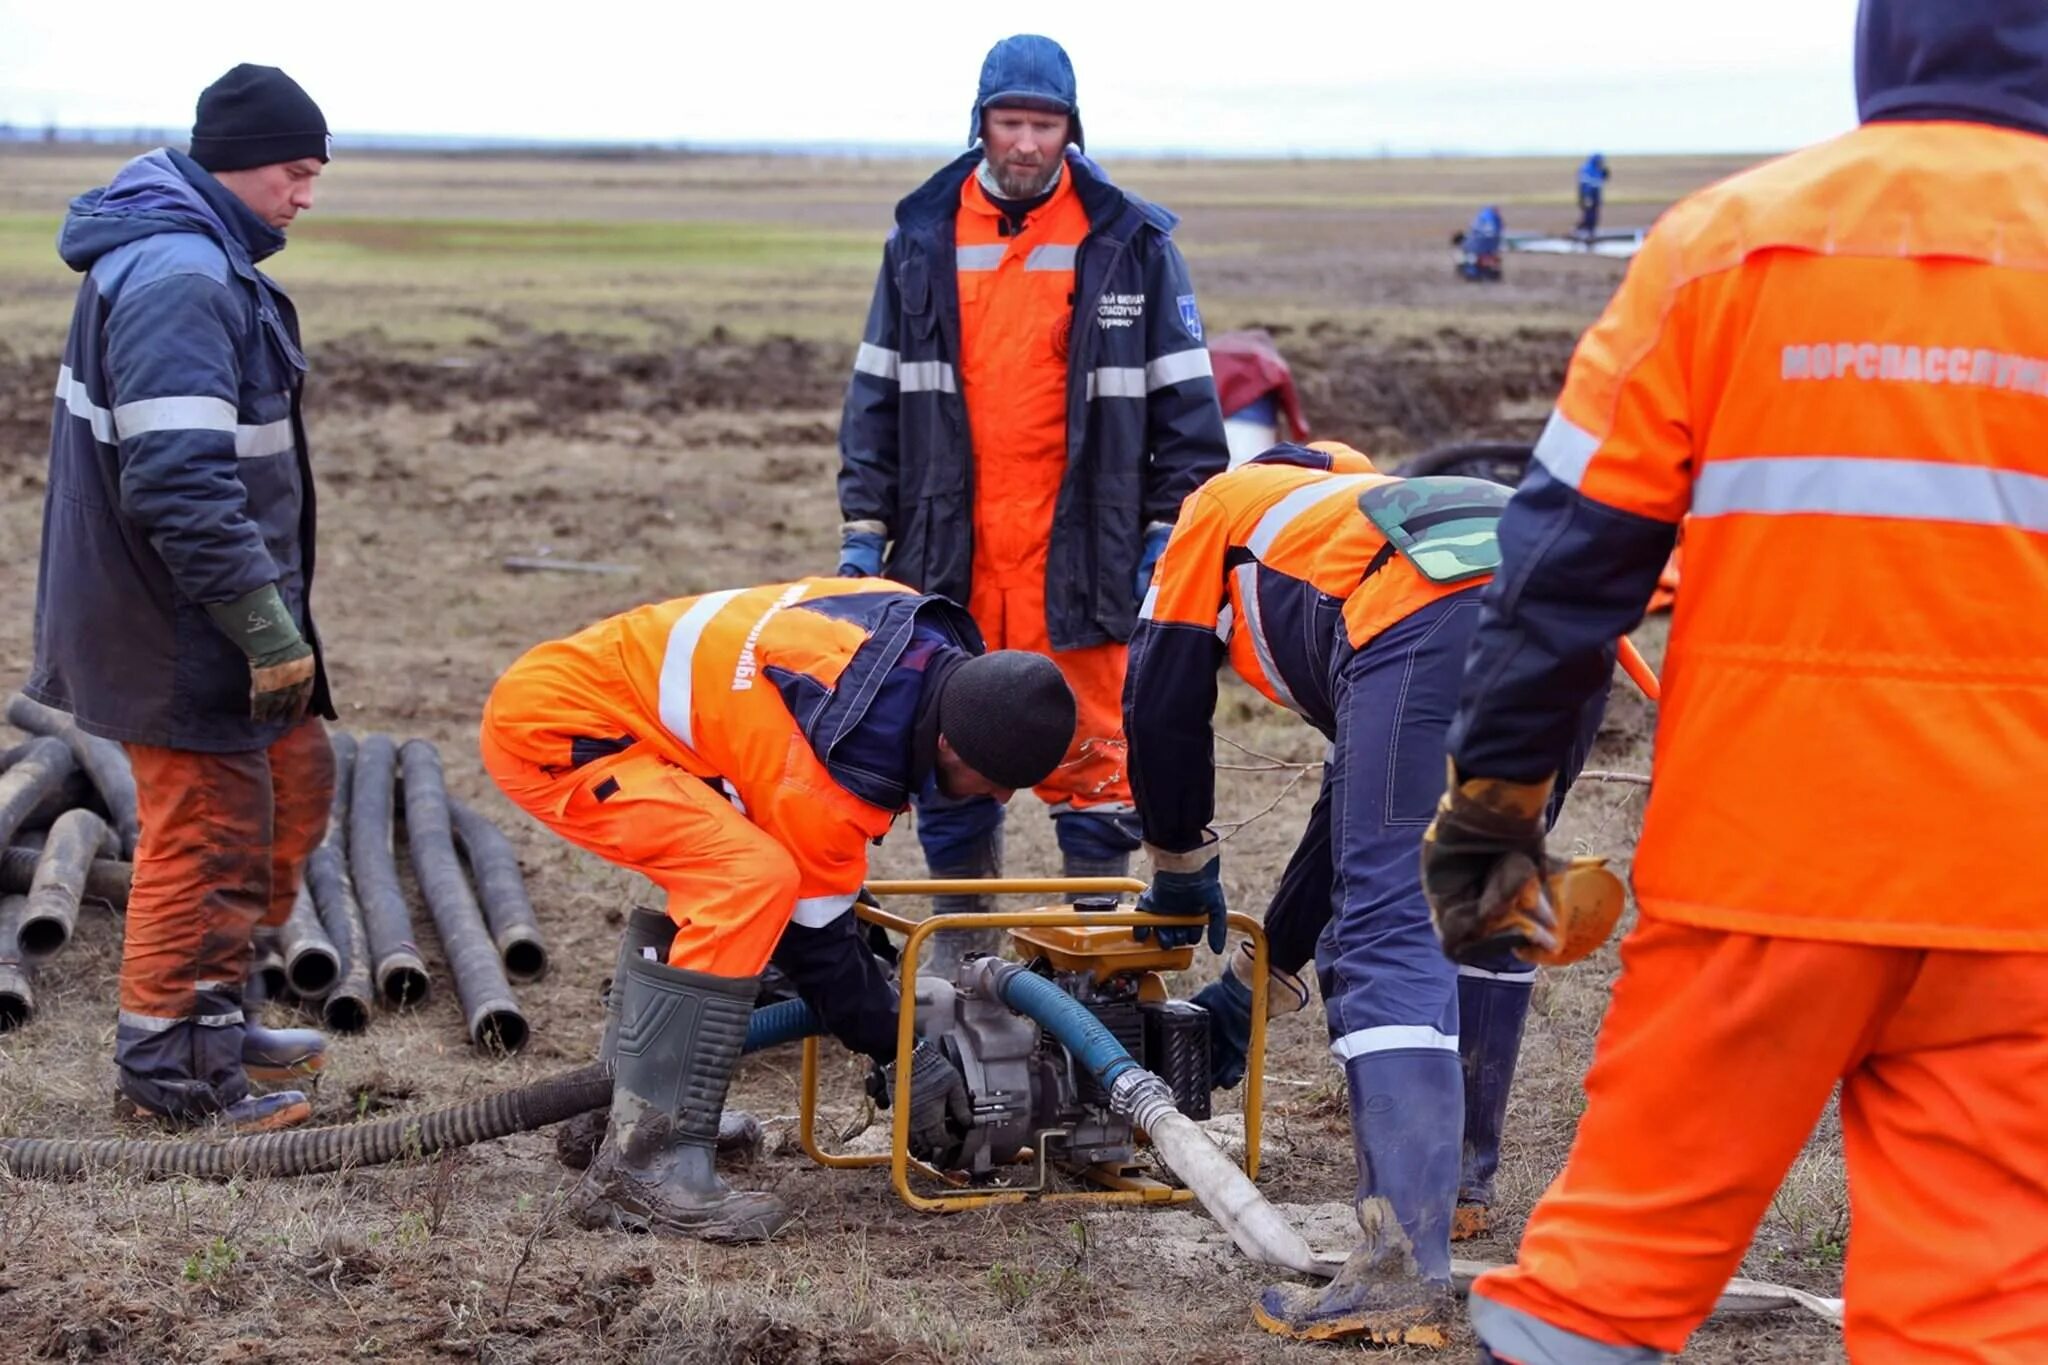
429, 475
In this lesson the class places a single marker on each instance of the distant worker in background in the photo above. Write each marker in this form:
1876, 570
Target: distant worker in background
1347, 596
1031, 401
173, 602
1832, 363
1592, 185
1481, 244
742, 749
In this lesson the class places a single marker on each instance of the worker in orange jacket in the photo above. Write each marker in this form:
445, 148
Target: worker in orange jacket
1837, 365
1031, 401
1347, 596
742, 749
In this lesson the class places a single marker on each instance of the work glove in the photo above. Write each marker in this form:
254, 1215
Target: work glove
860, 554
1491, 885
940, 1111
1156, 536
281, 663
1188, 883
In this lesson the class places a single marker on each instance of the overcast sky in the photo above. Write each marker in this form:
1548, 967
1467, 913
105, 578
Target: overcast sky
1277, 76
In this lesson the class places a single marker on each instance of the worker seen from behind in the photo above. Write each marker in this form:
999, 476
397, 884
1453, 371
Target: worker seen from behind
742, 749
172, 603
1834, 363
1347, 596
1031, 402
1481, 245
1592, 186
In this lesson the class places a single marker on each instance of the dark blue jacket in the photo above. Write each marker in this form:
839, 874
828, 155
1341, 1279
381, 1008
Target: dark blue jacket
1577, 574
1483, 237
1143, 425
178, 466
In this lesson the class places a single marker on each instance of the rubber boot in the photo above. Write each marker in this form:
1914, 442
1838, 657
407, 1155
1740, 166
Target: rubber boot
1491, 1012
1229, 1001
982, 858
1081, 865
251, 1114
577, 1139
1396, 1288
679, 1038
275, 1056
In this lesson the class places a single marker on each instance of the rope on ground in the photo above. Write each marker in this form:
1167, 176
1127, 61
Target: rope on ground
1611, 775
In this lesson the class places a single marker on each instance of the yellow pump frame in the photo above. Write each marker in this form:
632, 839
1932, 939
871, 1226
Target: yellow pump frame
1121, 1186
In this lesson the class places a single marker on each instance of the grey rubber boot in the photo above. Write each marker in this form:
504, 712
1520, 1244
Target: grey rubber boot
679, 1038
276, 1056
577, 1139
984, 858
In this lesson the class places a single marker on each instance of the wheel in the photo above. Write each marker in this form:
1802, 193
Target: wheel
1500, 461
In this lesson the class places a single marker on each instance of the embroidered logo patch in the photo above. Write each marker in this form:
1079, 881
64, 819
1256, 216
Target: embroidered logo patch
1189, 318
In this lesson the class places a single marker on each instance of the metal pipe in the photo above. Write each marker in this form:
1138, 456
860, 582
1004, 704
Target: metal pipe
346, 1008
395, 962
17, 976
51, 911
502, 890
38, 772
103, 761
493, 1015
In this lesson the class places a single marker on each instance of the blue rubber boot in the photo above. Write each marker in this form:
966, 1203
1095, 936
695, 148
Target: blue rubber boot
1396, 1288
1492, 1008
276, 1056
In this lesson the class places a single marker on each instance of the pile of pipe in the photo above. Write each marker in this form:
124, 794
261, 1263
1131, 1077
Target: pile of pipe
68, 829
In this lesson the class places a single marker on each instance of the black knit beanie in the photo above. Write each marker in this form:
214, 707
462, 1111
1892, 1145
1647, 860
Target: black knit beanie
1009, 715
256, 116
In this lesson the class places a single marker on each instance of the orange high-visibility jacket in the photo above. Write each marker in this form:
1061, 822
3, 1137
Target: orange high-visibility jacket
763, 692
1274, 566
1837, 363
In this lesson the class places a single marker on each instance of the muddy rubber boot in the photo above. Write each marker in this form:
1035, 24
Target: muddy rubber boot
251, 1114
679, 1038
947, 950
276, 1056
1492, 1007
1396, 1288
577, 1139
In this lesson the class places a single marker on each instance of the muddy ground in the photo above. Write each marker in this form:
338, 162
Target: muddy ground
706, 461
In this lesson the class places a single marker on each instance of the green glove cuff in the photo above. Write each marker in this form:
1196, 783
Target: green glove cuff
260, 625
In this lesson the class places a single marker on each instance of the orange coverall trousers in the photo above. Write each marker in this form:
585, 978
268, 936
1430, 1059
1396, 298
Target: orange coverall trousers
1717, 1057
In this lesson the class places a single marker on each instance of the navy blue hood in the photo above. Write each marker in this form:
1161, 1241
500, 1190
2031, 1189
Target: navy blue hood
1985, 61
162, 191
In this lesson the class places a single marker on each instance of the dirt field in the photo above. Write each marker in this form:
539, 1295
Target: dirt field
640, 362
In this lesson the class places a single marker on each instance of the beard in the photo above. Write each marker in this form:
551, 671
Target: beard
1024, 182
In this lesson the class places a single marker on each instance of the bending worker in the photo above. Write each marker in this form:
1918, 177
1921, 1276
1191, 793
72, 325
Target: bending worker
1833, 362
174, 603
1346, 596
742, 749
1031, 402
1592, 187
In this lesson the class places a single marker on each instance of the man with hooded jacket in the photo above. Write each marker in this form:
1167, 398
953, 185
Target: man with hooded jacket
1031, 401
1831, 367
172, 600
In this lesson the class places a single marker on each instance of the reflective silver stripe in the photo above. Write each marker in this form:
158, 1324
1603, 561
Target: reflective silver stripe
1565, 448
1178, 368
1392, 1038
180, 413
1224, 623
674, 693
924, 376
1852, 486
878, 361
1151, 601
71, 392
150, 1023
1527, 978
216, 985
1514, 1335
980, 258
1051, 258
1115, 381
1247, 576
272, 438
815, 912
1293, 505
